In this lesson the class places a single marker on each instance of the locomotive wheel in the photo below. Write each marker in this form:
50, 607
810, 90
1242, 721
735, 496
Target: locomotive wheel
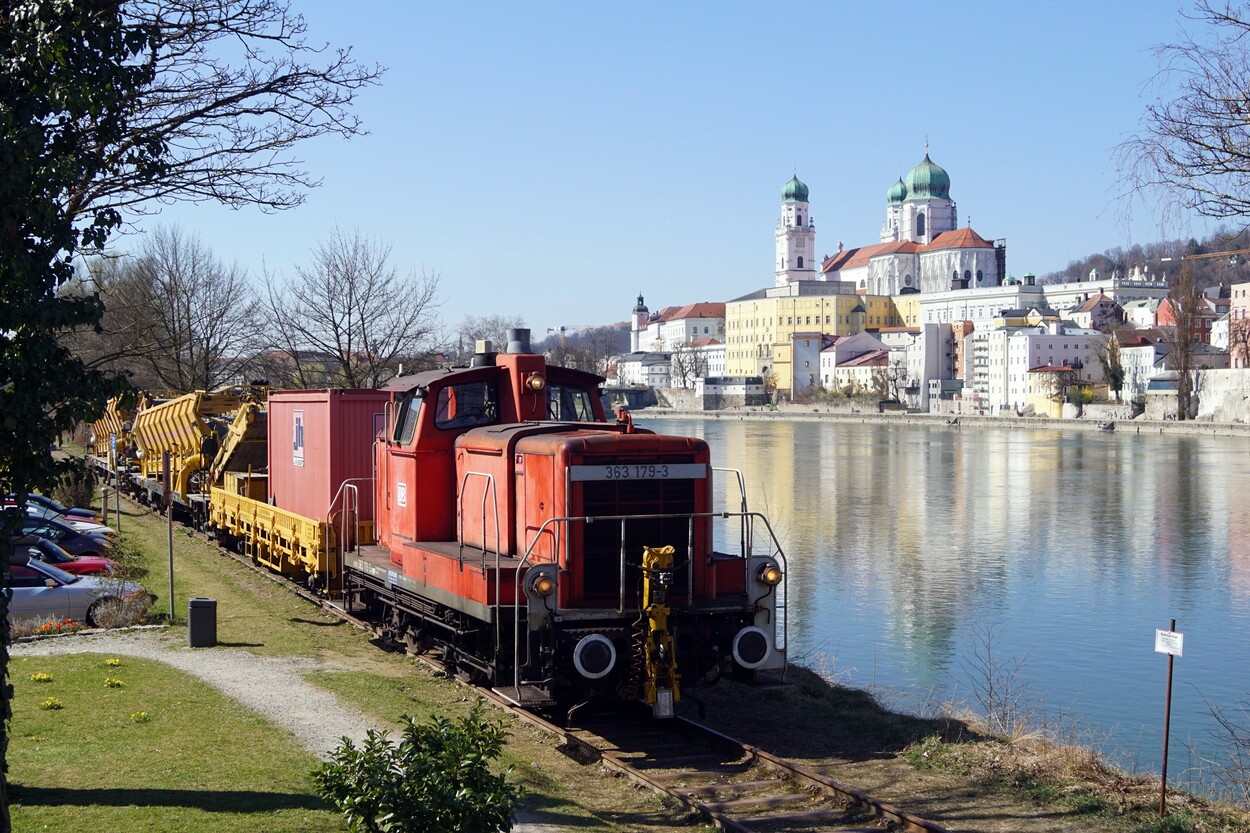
415, 641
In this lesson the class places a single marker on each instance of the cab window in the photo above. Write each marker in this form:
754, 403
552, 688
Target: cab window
406, 419
569, 403
466, 405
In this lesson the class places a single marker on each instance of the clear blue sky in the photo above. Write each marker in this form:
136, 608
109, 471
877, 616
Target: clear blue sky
550, 160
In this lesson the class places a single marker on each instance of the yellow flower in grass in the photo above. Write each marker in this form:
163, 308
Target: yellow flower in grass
140, 717
113, 682
51, 704
40, 677
112, 662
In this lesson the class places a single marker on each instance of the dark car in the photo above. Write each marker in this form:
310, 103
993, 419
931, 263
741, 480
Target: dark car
65, 536
73, 513
41, 549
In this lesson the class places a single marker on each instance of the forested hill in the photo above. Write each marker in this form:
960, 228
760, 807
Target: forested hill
1164, 259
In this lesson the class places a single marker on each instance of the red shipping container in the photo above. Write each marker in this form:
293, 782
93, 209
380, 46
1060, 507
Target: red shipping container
319, 439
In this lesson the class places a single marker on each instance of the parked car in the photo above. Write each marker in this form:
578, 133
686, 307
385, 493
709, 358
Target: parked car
66, 537
41, 549
74, 521
89, 515
42, 593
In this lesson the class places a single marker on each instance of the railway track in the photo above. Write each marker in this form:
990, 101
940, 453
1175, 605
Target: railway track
734, 785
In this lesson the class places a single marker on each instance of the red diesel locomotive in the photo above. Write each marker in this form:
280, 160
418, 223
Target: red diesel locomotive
557, 555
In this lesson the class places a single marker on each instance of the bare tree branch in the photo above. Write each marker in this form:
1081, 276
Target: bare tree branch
175, 316
349, 319
1192, 152
236, 86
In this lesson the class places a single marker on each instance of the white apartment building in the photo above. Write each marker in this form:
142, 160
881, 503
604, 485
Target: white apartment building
673, 327
644, 368
1003, 357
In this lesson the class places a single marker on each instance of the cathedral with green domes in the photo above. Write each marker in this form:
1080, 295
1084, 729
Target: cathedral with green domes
922, 247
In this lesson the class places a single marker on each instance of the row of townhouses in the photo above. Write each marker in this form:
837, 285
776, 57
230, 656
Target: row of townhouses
926, 314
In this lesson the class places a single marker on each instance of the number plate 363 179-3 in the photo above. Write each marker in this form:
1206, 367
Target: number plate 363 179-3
640, 471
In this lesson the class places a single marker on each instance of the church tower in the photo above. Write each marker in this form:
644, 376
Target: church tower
796, 236
638, 324
926, 209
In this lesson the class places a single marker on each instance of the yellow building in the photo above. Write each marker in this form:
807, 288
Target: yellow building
760, 327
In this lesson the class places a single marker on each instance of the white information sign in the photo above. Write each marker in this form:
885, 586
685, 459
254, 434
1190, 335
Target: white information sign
1168, 642
297, 442
640, 471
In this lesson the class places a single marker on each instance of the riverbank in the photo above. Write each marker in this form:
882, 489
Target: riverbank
820, 413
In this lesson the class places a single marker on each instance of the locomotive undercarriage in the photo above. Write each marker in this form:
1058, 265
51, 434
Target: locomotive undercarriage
545, 670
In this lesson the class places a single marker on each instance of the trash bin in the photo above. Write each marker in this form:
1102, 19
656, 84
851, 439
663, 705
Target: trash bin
202, 622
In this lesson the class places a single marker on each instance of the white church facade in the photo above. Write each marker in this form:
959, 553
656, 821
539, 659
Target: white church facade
922, 248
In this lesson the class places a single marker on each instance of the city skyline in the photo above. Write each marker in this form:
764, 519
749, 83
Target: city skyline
558, 160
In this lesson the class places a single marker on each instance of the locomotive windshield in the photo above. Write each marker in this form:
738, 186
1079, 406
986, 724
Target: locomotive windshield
569, 403
466, 404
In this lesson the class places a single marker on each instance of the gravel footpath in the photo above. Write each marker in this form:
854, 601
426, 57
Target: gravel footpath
316, 717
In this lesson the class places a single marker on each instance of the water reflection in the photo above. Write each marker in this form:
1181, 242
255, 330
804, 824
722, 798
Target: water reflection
906, 542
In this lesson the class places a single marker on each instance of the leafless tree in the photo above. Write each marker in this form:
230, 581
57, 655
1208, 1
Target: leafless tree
1239, 339
176, 317
493, 327
689, 363
889, 380
1193, 149
588, 350
350, 318
1232, 769
1184, 298
1112, 367
236, 86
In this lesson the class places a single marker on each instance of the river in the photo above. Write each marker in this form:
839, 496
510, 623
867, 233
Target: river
914, 550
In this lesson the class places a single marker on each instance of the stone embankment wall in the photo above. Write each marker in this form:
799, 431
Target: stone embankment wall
1224, 396
842, 412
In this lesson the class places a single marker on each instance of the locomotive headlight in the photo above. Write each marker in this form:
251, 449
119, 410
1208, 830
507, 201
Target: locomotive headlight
535, 382
543, 585
769, 573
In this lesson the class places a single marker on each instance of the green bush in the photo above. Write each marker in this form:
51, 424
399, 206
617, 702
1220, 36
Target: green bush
436, 780
75, 487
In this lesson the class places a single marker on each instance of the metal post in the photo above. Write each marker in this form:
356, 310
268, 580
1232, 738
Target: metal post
169, 522
118, 495
1167, 722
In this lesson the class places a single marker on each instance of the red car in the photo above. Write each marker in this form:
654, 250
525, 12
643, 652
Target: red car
40, 549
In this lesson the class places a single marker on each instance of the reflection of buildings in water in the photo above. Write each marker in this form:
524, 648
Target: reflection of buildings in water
929, 530
1235, 512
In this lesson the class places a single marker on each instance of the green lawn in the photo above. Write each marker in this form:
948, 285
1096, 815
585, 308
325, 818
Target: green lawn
200, 761
205, 763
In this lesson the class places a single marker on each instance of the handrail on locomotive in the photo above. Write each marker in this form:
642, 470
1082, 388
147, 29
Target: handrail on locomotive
746, 517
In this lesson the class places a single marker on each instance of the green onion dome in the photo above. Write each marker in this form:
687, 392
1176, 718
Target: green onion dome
897, 192
795, 191
928, 181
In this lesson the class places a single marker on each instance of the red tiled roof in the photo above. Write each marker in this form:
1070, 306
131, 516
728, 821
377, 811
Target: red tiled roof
703, 341
1053, 368
964, 238
1093, 303
704, 309
904, 246
873, 358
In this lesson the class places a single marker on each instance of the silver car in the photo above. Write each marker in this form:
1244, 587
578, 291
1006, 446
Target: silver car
41, 593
